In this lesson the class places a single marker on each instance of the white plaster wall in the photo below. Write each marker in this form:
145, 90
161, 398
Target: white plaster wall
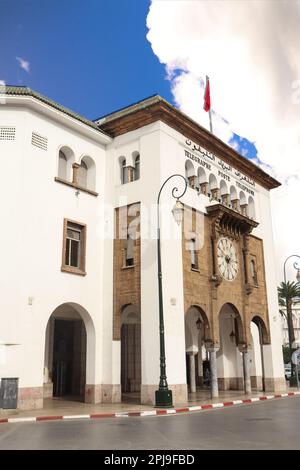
273, 358
33, 209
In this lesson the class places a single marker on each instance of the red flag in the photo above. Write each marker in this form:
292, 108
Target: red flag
206, 106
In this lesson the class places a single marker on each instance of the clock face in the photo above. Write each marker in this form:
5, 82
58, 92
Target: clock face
227, 259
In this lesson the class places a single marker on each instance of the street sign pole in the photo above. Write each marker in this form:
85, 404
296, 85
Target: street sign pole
296, 361
297, 375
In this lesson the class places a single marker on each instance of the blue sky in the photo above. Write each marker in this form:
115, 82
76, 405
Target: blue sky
91, 56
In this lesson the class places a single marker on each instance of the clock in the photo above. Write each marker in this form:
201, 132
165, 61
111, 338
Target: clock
227, 259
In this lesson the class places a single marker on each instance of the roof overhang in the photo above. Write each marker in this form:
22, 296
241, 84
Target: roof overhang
35, 104
157, 109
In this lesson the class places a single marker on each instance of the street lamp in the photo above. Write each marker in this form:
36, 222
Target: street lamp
290, 320
163, 396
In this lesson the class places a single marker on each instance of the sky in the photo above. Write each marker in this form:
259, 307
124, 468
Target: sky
100, 55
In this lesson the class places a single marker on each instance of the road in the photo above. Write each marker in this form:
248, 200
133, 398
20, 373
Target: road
265, 425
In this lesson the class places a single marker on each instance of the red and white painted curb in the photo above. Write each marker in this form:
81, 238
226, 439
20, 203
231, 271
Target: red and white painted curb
128, 414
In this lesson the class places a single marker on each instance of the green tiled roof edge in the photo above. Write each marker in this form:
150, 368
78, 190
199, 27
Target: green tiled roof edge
25, 91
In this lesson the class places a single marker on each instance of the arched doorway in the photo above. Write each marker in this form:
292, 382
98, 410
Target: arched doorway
197, 332
66, 352
229, 357
130, 353
259, 337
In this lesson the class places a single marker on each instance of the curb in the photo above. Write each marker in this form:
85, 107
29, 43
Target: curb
129, 414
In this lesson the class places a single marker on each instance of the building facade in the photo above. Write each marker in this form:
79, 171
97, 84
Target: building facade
296, 324
79, 310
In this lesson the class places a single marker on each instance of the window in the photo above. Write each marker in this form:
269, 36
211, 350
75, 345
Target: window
194, 255
82, 175
253, 272
62, 165
86, 174
124, 171
129, 251
137, 168
74, 247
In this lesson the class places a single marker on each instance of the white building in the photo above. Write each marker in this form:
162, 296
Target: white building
79, 304
296, 325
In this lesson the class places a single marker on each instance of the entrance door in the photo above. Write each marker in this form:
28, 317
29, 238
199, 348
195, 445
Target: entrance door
69, 356
131, 358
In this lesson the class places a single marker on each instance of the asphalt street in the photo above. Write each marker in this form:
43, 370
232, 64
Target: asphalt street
265, 425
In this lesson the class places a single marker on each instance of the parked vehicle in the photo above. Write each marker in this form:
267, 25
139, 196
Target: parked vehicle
287, 371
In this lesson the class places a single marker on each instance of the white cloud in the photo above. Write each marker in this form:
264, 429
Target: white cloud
249, 49
24, 64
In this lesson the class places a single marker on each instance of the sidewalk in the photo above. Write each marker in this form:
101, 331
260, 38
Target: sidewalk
56, 409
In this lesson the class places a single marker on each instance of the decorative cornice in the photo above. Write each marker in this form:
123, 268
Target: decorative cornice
229, 221
156, 109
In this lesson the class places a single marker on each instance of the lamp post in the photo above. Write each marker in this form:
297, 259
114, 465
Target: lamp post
289, 317
163, 396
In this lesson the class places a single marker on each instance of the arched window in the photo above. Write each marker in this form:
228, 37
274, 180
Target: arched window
82, 175
202, 181
65, 162
137, 167
234, 202
62, 165
224, 193
194, 255
243, 203
129, 251
86, 173
251, 208
253, 272
123, 170
213, 190
190, 173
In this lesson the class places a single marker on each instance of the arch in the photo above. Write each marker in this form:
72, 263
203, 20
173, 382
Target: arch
87, 173
243, 203
238, 328
123, 170
223, 188
189, 169
212, 182
232, 340
224, 193
260, 337
195, 312
251, 208
66, 159
242, 197
233, 193
197, 335
130, 348
202, 178
234, 202
137, 162
263, 330
69, 362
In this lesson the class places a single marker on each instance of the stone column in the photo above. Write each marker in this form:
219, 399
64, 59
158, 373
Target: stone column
75, 167
235, 204
247, 376
213, 372
244, 209
215, 194
130, 170
204, 188
192, 181
192, 372
200, 362
225, 199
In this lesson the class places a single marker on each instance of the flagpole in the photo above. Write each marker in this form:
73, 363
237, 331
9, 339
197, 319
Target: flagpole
210, 122
209, 112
